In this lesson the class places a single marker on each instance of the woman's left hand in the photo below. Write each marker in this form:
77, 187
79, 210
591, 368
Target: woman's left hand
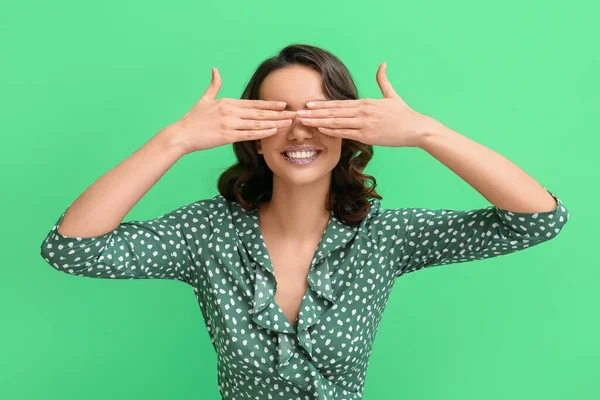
386, 122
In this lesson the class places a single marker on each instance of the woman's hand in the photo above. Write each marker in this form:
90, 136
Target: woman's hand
211, 123
384, 122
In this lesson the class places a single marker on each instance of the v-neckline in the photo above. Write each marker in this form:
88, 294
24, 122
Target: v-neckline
321, 293
294, 324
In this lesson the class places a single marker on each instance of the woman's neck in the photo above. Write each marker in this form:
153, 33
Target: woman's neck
296, 212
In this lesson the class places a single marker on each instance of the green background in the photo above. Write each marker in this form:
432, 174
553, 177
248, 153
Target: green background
83, 85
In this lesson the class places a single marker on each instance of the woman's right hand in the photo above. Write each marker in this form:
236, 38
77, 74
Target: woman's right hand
211, 123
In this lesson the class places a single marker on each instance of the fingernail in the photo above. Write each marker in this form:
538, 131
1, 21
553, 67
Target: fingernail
310, 104
281, 104
301, 112
305, 120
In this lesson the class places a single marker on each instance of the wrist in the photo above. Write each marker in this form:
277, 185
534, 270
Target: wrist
172, 140
430, 127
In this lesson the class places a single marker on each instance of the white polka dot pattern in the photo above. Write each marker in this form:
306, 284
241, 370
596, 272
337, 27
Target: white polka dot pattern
418, 238
162, 248
217, 247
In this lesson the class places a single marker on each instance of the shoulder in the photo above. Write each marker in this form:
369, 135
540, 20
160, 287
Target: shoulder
385, 227
380, 217
207, 209
194, 213
214, 205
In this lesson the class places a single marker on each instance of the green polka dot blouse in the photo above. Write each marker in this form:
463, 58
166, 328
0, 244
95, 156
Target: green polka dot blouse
216, 246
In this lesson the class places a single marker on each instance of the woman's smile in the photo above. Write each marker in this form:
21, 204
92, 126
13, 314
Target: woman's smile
301, 160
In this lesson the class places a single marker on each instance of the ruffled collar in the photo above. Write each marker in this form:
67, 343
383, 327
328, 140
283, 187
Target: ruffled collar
319, 296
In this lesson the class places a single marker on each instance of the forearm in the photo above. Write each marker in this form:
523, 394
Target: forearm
104, 204
501, 182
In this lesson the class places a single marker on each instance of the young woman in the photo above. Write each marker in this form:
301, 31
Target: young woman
293, 262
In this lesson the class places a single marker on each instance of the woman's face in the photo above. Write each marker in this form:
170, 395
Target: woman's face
297, 85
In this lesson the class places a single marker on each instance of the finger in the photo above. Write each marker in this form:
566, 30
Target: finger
259, 104
213, 88
352, 134
384, 84
248, 124
335, 123
330, 113
248, 113
334, 103
241, 136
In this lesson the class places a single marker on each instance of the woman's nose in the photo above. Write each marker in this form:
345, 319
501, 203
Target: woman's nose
298, 127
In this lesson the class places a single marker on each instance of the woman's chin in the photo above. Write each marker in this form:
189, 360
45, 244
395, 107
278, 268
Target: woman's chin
309, 177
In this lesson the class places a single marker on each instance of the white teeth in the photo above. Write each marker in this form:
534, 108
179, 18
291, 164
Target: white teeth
301, 154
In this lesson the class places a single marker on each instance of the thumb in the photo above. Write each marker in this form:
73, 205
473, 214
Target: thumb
213, 88
384, 84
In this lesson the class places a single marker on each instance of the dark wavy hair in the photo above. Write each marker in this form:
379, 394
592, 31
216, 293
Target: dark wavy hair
250, 181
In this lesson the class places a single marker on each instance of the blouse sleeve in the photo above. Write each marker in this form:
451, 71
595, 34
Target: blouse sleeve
421, 238
161, 248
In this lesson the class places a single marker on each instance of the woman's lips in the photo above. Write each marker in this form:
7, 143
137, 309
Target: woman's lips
301, 160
